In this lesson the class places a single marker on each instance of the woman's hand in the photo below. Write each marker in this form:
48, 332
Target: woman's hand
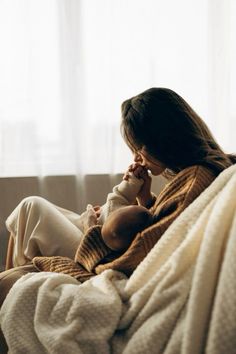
144, 196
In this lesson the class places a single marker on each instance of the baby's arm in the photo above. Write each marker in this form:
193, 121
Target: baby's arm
123, 194
144, 196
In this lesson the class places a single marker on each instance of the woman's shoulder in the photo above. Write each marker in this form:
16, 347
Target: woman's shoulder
197, 172
188, 183
196, 176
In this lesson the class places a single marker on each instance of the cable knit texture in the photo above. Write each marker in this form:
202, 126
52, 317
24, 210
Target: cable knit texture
63, 265
95, 257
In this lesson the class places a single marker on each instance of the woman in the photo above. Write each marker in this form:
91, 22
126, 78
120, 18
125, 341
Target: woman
166, 137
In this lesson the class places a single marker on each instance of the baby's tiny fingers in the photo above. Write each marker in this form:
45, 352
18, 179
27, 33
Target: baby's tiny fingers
98, 213
138, 170
133, 166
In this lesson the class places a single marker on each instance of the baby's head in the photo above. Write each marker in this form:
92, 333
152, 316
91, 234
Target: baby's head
123, 224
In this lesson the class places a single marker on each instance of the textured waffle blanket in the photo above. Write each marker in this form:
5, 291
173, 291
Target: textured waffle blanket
180, 299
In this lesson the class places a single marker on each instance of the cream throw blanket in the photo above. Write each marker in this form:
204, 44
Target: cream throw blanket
181, 298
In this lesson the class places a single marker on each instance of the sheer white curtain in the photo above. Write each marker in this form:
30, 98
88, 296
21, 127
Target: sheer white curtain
67, 65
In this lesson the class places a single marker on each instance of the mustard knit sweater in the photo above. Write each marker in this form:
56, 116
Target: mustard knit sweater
93, 256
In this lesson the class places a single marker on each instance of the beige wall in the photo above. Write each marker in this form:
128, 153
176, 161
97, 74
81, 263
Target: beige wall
70, 192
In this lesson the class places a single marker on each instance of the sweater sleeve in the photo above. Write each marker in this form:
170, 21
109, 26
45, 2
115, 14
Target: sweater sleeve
123, 194
92, 249
65, 265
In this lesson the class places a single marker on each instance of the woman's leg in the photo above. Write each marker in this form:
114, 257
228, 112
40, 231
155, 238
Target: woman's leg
41, 228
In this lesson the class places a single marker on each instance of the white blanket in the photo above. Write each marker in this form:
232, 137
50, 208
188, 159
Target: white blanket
181, 298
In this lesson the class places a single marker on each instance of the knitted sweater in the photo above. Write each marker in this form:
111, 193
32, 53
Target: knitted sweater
93, 256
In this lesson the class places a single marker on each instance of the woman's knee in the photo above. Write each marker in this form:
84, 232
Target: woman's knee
35, 203
33, 200
23, 209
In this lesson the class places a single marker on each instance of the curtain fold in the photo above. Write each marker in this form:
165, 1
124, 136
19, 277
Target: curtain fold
67, 65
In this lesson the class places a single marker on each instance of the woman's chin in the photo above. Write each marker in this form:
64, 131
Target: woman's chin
156, 172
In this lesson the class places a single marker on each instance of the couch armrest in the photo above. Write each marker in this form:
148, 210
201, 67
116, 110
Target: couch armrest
7, 279
10, 276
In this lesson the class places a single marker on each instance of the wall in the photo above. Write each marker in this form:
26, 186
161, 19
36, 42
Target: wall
69, 192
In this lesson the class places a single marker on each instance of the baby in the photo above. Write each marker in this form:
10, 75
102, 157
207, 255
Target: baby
121, 226
123, 194
120, 218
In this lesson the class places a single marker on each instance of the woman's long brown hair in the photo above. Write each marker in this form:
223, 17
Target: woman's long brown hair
171, 131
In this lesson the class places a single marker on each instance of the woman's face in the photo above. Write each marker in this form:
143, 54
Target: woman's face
149, 162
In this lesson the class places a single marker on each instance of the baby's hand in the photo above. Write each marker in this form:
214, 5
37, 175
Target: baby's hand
137, 170
144, 196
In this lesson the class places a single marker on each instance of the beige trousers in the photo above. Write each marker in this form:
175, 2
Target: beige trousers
39, 227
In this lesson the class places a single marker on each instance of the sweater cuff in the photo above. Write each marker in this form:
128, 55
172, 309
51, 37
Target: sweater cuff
63, 265
92, 249
129, 188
